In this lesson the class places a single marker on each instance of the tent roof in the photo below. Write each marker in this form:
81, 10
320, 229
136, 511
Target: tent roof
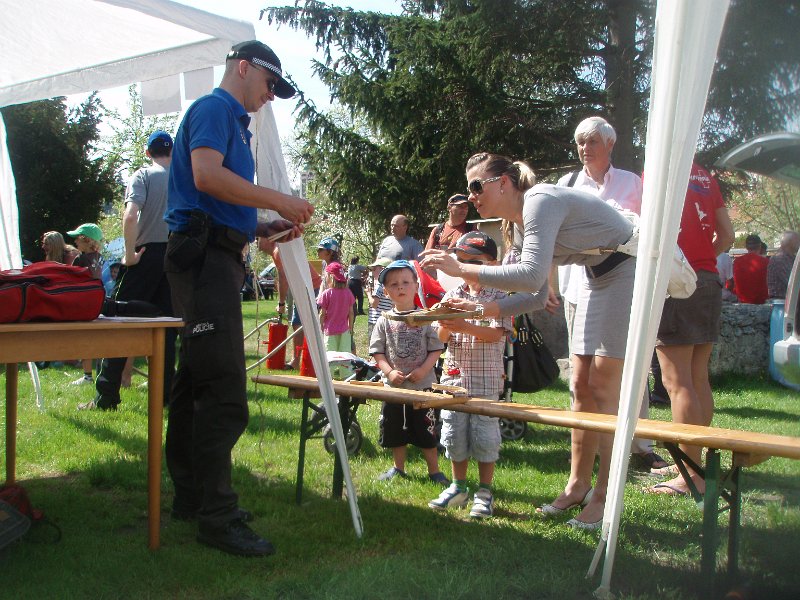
62, 47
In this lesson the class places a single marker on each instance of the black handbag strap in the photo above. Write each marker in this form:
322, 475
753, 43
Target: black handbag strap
534, 335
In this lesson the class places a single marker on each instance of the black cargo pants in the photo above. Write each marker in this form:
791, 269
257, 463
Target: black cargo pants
208, 407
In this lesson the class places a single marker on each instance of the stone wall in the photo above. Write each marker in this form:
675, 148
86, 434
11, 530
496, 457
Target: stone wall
743, 344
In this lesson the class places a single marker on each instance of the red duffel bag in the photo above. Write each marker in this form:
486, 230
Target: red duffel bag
49, 291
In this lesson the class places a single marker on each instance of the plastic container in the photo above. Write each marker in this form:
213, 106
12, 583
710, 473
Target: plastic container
277, 333
776, 335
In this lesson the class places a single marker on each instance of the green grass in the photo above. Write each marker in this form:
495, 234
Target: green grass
87, 471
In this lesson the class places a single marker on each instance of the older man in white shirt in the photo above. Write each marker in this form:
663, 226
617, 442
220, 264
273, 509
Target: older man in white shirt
595, 139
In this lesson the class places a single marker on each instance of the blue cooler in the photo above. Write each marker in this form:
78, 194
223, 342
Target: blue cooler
776, 335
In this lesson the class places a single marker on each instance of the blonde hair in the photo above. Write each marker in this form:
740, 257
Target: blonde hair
54, 247
518, 172
94, 244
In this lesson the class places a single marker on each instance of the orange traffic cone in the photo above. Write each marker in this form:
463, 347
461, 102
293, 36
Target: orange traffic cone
306, 366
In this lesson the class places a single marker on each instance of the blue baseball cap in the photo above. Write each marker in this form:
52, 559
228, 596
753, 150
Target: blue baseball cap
262, 55
398, 264
328, 243
159, 139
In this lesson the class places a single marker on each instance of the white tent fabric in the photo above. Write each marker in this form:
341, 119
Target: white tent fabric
271, 172
686, 39
10, 257
62, 47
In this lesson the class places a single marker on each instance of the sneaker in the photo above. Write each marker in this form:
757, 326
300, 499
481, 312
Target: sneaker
482, 504
439, 478
452, 497
235, 537
391, 474
84, 380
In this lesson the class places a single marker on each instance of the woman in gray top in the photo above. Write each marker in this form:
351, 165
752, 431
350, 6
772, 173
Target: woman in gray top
557, 225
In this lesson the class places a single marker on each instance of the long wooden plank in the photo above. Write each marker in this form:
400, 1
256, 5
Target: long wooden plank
745, 442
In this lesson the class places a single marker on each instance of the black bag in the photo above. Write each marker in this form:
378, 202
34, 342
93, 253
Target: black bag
534, 365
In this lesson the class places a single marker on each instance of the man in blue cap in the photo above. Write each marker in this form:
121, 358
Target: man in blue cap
212, 215
142, 276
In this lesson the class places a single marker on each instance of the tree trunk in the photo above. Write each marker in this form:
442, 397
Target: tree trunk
619, 65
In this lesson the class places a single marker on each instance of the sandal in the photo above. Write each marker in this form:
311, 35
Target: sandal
666, 489
548, 510
651, 460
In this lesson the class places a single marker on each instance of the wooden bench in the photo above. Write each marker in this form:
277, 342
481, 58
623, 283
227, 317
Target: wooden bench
748, 448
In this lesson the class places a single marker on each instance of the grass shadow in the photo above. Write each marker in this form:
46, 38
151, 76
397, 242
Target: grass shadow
748, 412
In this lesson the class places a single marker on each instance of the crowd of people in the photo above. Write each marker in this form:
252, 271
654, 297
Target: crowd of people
191, 215
755, 277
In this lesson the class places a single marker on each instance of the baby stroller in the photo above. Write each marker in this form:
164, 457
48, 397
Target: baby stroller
348, 367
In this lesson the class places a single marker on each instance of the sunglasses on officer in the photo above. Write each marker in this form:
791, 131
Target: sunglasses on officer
271, 81
475, 187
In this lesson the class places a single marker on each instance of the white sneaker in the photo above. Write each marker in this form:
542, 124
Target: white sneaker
452, 497
85, 380
482, 504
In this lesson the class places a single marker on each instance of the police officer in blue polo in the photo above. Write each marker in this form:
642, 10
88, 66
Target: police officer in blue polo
211, 214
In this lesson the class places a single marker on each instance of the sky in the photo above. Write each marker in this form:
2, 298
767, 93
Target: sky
294, 49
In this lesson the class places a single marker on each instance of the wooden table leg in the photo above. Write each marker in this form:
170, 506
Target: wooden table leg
305, 428
708, 556
155, 424
12, 372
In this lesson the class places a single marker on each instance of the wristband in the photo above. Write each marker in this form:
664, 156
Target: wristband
479, 309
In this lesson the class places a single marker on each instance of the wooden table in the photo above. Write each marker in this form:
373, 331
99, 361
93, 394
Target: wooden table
29, 342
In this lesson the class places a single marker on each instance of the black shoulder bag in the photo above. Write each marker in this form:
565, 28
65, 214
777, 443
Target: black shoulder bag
534, 365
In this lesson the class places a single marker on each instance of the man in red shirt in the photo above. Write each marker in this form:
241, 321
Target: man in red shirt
445, 235
750, 273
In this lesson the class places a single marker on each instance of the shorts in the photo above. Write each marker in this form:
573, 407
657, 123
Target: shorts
296, 315
465, 435
693, 320
401, 424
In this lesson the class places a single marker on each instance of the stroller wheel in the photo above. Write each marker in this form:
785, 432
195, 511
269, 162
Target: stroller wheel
512, 430
353, 439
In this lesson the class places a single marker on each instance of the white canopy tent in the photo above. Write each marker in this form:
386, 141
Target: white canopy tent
686, 39
62, 47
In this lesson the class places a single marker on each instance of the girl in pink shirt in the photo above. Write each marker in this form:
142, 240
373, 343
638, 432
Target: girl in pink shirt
336, 310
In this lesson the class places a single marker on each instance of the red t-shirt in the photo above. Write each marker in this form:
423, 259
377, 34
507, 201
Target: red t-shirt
699, 220
750, 278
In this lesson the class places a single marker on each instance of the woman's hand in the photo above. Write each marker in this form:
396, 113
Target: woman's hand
442, 260
461, 304
552, 303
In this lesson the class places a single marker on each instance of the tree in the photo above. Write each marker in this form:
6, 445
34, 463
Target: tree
450, 77
125, 147
124, 150
60, 180
767, 206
